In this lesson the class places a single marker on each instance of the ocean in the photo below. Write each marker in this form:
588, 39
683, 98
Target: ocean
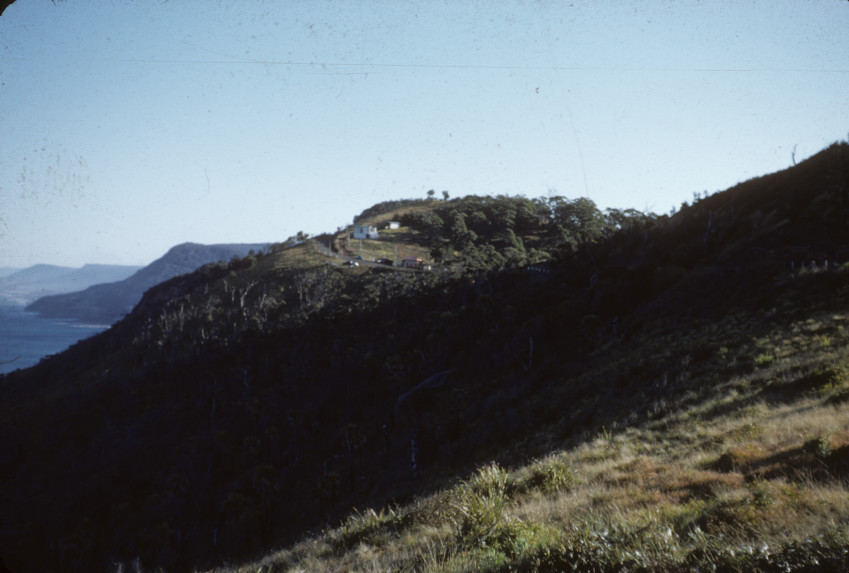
25, 338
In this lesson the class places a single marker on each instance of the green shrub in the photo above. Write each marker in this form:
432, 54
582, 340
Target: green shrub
822, 447
760, 493
549, 476
490, 481
824, 379
829, 377
589, 547
481, 505
764, 360
481, 517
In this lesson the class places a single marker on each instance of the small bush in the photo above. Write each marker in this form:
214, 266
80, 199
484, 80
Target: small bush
824, 378
760, 493
832, 451
737, 458
481, 518
550, 476
764, 360
481, 505
490, 481
821, 447
367, 526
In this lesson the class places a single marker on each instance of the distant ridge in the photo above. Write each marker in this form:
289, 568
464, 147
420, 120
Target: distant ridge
26, 285
107, 303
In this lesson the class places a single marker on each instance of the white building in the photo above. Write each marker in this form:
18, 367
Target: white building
394, 225
365, 232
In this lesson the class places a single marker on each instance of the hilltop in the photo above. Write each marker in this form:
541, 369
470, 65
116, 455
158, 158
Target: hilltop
567, 387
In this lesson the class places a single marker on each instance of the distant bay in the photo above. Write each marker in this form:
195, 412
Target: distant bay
26, 338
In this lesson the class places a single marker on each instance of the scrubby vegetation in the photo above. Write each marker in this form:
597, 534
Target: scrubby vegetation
742, 471
497, 232
595, 392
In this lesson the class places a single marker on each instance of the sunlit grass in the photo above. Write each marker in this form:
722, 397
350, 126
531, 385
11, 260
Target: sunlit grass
742, 470
385, 247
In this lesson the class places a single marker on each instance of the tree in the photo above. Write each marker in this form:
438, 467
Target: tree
445, 195
526, 215
459, 233
478, 222
578, 221
431, 193
481, 257
627, 219
429, 223
438, 253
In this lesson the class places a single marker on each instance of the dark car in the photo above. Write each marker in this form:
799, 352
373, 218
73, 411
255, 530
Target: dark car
384, 261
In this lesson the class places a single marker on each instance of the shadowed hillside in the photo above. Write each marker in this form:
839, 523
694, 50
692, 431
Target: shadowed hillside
616, 391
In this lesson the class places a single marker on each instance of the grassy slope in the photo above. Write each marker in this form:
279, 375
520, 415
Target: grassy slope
403, 242
741, 465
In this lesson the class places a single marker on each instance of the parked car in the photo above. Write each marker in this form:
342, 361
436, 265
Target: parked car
384, 261
350, 264
412, 263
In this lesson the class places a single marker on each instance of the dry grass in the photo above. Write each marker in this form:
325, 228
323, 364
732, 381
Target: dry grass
751, 470
385, 247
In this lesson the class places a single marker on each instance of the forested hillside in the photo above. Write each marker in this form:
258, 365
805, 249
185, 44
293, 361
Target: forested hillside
587, 354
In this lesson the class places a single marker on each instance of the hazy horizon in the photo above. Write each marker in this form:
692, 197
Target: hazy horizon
129, 128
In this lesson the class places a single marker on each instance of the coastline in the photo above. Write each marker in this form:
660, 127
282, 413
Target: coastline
26, 338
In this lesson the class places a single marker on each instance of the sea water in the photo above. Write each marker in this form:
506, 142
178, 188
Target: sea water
26, 338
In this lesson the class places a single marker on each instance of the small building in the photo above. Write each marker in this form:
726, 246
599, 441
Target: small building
394, 225
365, 232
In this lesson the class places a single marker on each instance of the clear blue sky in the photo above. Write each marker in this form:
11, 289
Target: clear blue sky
129, 127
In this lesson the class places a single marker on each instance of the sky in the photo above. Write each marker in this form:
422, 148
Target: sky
127, 127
